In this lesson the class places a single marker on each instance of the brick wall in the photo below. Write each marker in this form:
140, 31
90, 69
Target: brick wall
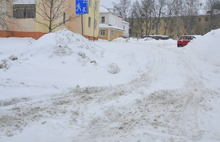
90, 37
35, 35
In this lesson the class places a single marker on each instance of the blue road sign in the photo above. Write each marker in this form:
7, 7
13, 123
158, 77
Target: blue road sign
81, 7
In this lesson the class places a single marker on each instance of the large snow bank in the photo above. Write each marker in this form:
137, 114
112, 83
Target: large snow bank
207, 47
64, 60
60, 44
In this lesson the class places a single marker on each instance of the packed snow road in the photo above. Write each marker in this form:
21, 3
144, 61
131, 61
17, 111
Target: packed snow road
155, 93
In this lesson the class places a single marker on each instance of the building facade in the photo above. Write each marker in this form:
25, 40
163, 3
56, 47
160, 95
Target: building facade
174, 27
27, 18
111, 24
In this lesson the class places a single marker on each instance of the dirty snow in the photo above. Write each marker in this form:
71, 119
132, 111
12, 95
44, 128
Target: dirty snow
63, 87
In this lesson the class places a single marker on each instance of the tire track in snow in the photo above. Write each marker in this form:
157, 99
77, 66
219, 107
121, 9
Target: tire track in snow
195, 88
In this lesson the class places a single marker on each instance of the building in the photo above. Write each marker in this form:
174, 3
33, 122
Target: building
126, 27
111, 25
28, 19
175, 26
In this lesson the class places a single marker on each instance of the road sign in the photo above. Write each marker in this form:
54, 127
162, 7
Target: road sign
81, 7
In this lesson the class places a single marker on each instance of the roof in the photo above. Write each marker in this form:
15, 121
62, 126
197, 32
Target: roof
125, 22
103, 9
106, 26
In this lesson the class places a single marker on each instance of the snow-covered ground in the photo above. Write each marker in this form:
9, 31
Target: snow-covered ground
63, 87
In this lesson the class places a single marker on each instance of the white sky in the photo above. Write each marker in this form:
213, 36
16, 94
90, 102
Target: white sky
108, 3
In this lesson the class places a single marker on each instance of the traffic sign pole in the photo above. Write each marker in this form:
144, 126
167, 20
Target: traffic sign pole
82, 22
81, 8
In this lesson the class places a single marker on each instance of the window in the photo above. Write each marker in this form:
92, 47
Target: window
185, 38
199, 19
24, 11
90, 3
124, 27
171, 20
117, 34
89, 23
102, 32
64, 18
112, 33
95, 26
206, 19
96, 5
103, 19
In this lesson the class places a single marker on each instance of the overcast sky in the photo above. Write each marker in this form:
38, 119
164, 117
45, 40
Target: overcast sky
108, 3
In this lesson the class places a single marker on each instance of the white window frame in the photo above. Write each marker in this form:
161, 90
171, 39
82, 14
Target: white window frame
102, 33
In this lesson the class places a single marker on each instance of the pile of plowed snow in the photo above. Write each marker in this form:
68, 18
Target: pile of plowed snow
207, 47
63, 59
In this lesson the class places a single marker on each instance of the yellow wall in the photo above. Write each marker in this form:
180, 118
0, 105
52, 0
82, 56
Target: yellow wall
94, 14
30, 25
120, 34
106, 34
200, 27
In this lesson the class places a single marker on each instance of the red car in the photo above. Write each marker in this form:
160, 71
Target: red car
184, 40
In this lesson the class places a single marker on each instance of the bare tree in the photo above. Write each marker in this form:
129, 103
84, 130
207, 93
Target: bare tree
213, 13
160, 5
190, 11
148, 9
123, 8
3, 14
138, 15
51, 12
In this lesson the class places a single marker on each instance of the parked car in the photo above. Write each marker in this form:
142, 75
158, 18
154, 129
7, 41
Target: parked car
184, 40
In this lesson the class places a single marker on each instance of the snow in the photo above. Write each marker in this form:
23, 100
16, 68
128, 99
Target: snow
103, 9
110, 27
63, 87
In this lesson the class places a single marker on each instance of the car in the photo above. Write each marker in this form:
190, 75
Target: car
184, 40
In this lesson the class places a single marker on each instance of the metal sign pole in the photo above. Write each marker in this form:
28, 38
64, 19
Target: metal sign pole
82, 22
81, 8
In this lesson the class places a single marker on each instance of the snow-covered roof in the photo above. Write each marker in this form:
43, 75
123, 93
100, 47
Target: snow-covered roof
106, 26
125, 22
103, 9
24, 2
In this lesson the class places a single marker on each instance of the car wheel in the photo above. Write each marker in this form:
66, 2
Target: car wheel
180, 45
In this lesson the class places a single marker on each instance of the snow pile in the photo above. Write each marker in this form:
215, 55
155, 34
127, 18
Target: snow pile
60, 44
208, 47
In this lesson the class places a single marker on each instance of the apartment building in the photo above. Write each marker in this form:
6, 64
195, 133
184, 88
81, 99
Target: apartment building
174, 27
27, 18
